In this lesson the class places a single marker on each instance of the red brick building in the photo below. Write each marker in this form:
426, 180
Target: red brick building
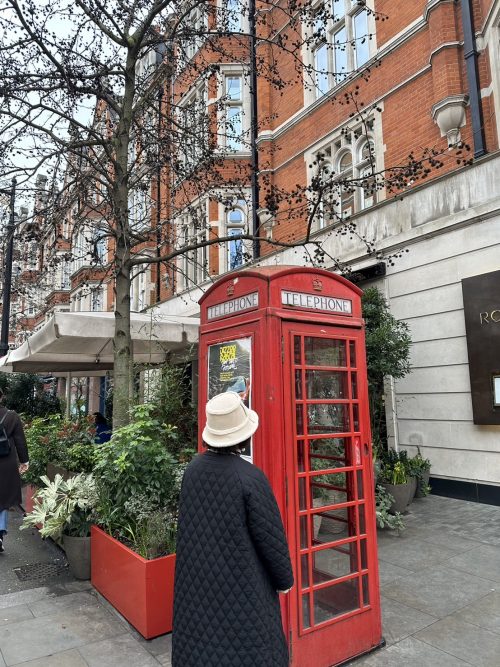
433, 82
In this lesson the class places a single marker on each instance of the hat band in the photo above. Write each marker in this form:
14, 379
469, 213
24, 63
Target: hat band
227, 431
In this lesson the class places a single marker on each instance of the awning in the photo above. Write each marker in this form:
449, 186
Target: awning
76, 342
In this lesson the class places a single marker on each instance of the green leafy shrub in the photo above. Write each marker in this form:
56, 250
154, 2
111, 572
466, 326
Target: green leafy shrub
63, 506
80, 457
387, 353
53, 439
383, 502
43, 446
420, 466
172, 398
138, 480
25, 393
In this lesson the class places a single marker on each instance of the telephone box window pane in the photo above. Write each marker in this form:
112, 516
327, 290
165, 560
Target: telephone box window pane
362, 521
326, 384
301, 456
327, 418
361, 490
328, 453
354, 386
366, 593
296, 350
303, 532
329, 489
335, 600
334, 525
352, 353
364, 555
298, 385
302, 494
361, 51
300, 422
305, 571
325, 352
355, 416
306, 611
330, 564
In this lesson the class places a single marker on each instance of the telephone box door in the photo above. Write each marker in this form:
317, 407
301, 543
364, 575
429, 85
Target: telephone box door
330, 508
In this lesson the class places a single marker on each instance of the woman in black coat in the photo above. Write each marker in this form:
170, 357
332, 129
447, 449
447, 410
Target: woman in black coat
11, 467
232, 553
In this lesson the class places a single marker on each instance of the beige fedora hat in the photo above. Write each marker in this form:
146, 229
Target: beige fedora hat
229, 421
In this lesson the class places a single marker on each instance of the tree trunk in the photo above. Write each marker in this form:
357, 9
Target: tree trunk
122, 344
122, 347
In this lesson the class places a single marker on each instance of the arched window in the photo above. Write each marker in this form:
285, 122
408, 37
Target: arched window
324, 209
346, 175
235, 226
366, 170
346, 188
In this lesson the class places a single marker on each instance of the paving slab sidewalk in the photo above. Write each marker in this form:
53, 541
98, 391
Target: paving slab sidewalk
440, 587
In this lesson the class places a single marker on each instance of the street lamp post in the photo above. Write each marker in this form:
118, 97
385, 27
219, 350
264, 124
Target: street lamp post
7, 274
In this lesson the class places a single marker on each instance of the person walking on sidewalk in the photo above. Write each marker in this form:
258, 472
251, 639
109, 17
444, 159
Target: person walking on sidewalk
232, 554
13, 463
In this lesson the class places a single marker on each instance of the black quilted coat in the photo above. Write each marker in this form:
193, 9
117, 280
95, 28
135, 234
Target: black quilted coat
232, 558
10, 480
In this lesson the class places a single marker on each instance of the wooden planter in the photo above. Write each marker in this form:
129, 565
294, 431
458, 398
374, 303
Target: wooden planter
141, 590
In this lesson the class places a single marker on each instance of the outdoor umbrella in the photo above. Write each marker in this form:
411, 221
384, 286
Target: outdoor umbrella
83, 341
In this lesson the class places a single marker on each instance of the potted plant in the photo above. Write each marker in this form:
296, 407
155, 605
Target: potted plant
133, 542
397, 483
384, 517
63, 508
422, 468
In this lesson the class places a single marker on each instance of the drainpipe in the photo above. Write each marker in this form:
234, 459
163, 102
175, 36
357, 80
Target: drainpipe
471, 55
254, 128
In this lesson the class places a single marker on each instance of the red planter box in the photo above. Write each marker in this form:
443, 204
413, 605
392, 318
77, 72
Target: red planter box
28, 492
141, 590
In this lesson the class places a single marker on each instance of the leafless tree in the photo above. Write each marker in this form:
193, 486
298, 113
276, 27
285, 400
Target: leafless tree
95, 96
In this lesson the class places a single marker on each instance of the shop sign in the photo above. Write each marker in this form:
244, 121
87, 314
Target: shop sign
482, 326
329, 304
238, 305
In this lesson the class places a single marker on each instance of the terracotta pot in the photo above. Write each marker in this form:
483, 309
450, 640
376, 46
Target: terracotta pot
28, 492
141, 590
78, 554
401, 493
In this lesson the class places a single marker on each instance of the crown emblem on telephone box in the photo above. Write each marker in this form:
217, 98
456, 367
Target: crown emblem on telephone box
230, 289
317, 285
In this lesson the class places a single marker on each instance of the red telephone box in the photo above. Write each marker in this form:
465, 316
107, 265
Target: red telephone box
290, 341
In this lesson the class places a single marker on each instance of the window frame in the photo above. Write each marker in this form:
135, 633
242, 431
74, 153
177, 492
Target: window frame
347, 141
345, 22
193, 266
225, 103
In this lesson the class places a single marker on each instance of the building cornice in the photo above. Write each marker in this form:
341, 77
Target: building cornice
374, 103
433, 4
